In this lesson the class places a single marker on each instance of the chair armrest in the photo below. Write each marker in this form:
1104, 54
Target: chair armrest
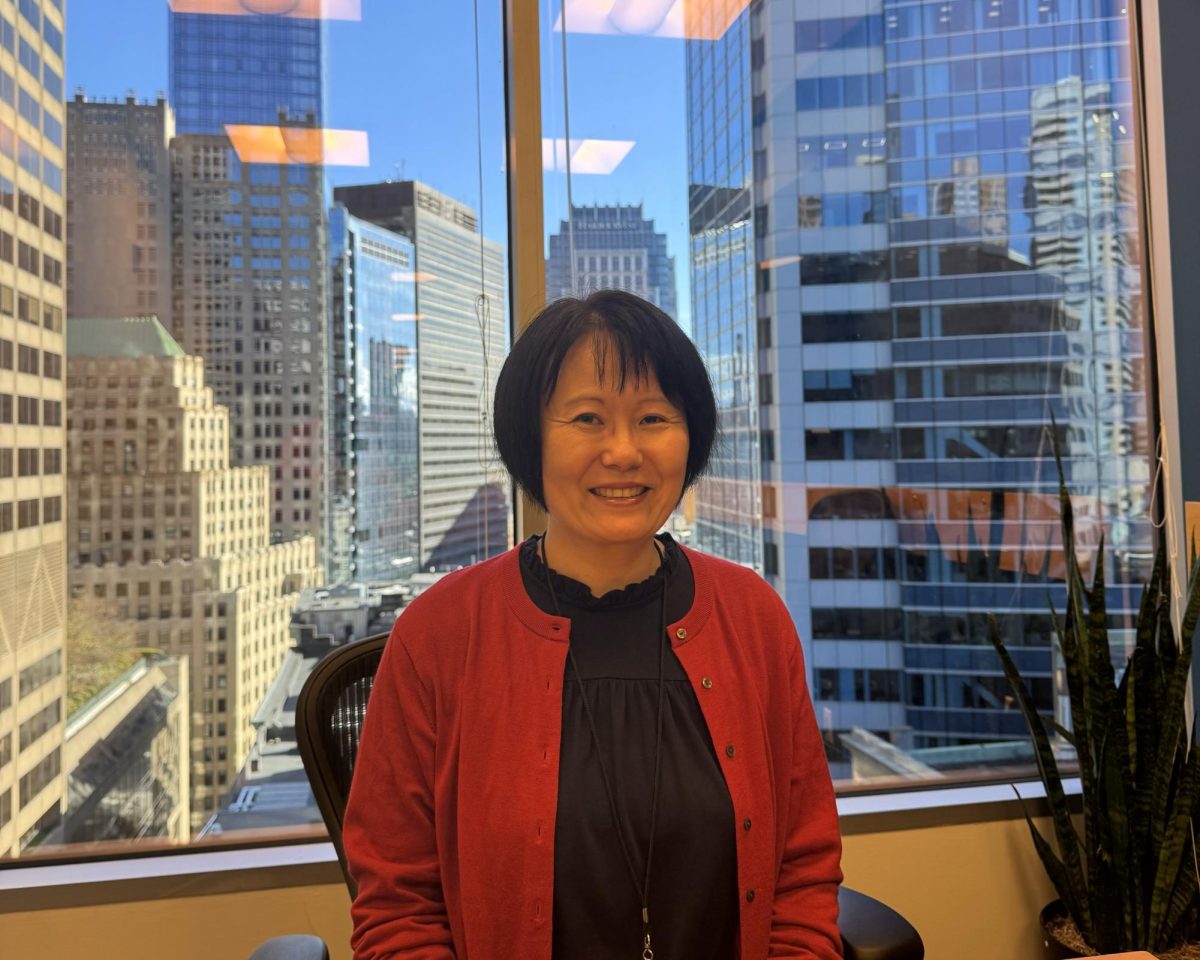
297, 947
874, 931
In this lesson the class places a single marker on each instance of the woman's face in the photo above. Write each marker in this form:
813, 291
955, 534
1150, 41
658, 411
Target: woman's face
613, 462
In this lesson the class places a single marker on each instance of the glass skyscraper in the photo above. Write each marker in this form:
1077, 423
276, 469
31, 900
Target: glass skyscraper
946, 258
246, 69
374, 518
730, 498
460, 321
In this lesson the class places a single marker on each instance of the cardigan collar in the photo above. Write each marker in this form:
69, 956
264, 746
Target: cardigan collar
555, 628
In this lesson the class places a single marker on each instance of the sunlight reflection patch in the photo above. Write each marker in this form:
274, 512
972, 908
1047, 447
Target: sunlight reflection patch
307, 145
300, 9
587, 156
675, 19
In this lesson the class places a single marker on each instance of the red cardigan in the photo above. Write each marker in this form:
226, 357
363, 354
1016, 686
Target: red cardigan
449, 829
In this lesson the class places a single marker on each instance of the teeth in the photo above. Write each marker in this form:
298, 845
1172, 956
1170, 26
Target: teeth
620, 491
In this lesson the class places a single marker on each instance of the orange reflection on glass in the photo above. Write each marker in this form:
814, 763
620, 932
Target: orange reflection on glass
778, 262
587, 156
307, 145
961, 523
674, 19
412, 276
406, 317
301, 9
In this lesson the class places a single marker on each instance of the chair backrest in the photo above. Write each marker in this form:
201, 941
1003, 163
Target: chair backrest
329, 718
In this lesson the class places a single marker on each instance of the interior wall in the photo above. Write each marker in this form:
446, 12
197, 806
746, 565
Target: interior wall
972, 890
219, 927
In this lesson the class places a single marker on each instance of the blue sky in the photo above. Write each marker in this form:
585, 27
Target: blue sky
405, 73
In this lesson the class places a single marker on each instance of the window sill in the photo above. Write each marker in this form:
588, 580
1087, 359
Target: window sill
199, 872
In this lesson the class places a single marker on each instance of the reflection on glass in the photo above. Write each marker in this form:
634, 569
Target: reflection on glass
275, 144
303, 9
586, 156
701, 19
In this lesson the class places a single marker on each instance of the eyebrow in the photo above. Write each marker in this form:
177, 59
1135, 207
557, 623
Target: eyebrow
592, 398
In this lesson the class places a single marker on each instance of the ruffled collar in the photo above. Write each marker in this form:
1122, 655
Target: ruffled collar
572, 591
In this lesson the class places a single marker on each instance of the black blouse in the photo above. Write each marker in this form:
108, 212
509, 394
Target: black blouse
693, 886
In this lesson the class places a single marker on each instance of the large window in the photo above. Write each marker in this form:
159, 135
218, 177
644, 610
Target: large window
905, 241
254, 296
245, 379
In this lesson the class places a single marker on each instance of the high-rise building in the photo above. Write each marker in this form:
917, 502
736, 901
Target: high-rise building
245, 67
119, 222
732, 500
374, 515
249, 243
460, 324
249, 297
944, 228
614, 246
174, 538
32, 300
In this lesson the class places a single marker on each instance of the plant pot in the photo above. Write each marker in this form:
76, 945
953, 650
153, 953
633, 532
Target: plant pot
1055, 949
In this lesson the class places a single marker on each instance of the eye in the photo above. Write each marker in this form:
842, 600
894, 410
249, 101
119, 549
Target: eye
588, 419
656, 418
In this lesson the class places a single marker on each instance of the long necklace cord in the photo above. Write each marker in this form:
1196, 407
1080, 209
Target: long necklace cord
643, 888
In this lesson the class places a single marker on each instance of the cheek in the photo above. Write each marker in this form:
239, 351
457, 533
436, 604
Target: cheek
561, 465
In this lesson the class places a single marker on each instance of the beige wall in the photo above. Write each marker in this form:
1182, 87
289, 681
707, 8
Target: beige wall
223, 927
972, 890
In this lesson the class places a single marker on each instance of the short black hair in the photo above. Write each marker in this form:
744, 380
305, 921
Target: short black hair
643, 337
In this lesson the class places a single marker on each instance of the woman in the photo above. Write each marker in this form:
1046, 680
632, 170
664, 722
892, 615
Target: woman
599, 744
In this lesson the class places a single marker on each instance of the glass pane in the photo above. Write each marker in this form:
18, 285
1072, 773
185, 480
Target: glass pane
917, 226
253, 358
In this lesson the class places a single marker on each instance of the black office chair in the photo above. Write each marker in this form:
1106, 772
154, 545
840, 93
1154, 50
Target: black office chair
329, 716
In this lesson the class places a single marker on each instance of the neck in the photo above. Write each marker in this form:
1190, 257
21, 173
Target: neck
601, 566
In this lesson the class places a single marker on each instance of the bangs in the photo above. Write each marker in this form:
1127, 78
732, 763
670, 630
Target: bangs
622, 355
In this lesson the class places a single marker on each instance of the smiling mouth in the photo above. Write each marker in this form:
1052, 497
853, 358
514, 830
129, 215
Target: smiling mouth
619, 493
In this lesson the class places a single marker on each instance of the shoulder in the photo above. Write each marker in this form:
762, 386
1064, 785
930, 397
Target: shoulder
733, 583
745, 605
445, 608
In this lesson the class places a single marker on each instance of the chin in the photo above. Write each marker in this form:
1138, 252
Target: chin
621, 533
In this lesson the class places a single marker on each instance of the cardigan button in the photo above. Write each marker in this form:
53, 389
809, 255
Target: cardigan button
746, 824
729, 751
749, 896
681, 633
706, 683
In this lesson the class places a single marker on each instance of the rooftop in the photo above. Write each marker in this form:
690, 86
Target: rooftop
120, 337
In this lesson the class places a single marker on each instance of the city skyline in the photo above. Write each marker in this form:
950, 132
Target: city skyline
900, 241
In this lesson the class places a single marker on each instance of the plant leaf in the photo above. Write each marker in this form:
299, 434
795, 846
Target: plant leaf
1175, 837
1070, 885
1058, 728
1184, 896
1163, 774
1115, 804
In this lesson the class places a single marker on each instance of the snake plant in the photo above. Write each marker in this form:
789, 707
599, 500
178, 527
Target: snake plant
1132, 881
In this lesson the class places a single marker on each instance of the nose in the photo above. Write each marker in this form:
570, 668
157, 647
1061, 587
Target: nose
621, 450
